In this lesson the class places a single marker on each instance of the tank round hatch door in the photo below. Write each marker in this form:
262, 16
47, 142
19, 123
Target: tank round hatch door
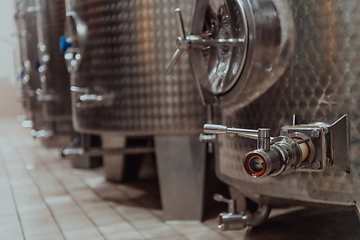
238, 48
76, 32
224, 62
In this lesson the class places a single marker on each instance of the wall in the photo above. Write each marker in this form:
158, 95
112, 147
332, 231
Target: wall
9, 106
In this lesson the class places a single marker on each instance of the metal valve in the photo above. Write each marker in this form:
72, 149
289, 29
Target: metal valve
230, 202
86, 99
74, 42
42, 133
184, 42
273, 156
306, 147
233, 221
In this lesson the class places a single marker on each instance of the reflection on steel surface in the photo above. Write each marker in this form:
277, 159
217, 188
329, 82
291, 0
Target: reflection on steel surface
307, 147
127, 46
240, 72
55, 80
27, 32
320, 84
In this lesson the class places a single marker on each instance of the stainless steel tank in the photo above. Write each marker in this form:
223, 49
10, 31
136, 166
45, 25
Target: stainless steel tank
27, 32
54, 92
117, 54
295, 78
121, 84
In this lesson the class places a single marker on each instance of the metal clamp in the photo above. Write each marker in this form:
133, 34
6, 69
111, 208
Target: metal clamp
184, 42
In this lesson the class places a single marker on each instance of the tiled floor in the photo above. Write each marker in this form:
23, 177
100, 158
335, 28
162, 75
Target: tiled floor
43, 197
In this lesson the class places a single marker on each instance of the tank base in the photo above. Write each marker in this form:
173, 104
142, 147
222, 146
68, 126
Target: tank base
181, 162
122, 167
113, 164
86, 162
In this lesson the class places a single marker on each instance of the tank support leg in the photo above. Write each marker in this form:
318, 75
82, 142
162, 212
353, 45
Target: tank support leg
181, 171
113, 164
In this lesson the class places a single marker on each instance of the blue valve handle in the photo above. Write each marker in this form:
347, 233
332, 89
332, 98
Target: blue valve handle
64, 44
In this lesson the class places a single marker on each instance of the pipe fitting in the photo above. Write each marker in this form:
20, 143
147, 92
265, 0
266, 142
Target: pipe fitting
229, 221
233, 221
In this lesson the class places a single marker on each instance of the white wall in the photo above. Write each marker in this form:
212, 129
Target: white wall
9, 106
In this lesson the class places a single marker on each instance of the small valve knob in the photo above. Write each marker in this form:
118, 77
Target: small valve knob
231, 203
64, 44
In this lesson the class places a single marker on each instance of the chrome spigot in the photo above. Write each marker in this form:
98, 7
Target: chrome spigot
184, 42
305, 147
273, 156
244, 220
42, 133
86, 99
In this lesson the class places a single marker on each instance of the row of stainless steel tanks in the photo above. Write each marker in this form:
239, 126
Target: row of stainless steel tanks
284, 71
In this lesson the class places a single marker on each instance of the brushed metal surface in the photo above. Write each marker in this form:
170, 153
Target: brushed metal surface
55, 79
27, 33
181, 166
320, 84
129, 44
267, 30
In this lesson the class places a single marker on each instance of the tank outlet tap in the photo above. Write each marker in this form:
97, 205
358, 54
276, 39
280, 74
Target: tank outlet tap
42, 133
234, 221
284, 154
307, 147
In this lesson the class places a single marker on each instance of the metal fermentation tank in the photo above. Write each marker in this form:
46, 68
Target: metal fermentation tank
117, 54
54, 92
298, 77
27, 31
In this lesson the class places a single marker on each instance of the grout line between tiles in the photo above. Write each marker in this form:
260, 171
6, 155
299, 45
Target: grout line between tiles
43, 198
109, 205
65, 169
71, 196
125, 218
13, 195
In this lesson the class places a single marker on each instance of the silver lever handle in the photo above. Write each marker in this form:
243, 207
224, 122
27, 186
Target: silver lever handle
181, 30
220, 129
91, 98
262, 135
231, 203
